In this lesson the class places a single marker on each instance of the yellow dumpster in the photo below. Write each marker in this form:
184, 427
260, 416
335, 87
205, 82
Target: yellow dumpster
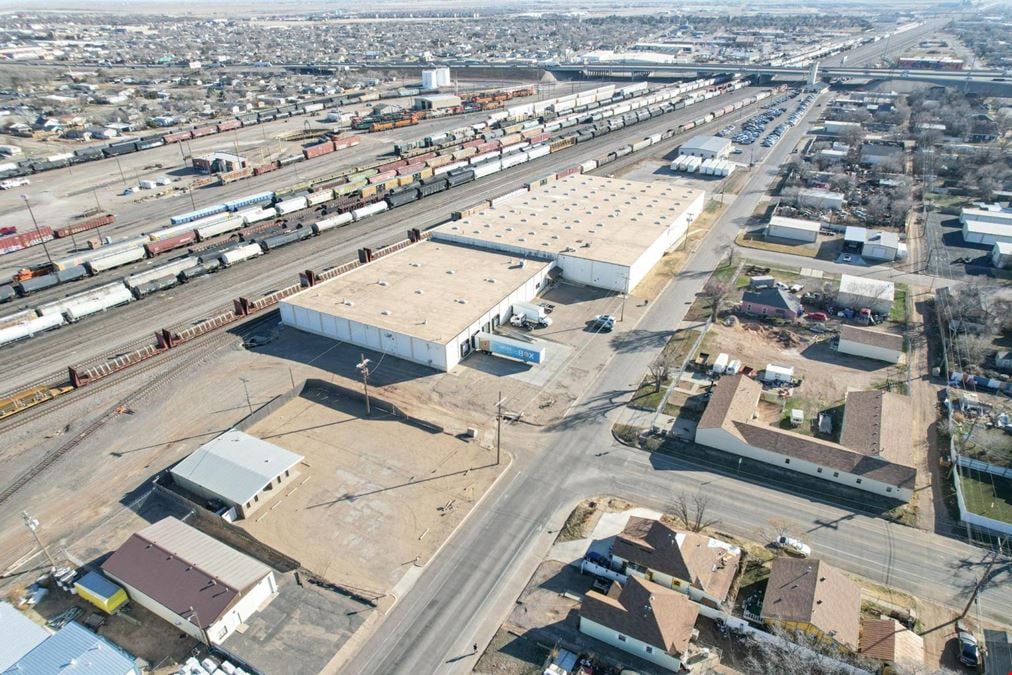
100, 592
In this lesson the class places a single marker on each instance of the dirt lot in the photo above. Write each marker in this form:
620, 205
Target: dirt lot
375, 495
827, 374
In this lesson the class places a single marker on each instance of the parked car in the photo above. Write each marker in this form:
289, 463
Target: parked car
603, 322
817, 316
792, 546
969, 654
846, 258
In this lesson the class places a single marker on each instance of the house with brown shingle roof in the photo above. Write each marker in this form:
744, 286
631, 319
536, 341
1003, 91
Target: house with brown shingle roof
812, 596
891, 642
729, 424
695, 564
643, 619
870, 425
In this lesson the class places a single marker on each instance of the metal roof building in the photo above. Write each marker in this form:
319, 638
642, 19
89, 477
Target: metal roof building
20, 635
74, 650
198, 584
241, 470
706, 147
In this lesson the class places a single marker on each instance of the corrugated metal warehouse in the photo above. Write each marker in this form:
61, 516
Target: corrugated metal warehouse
794, 229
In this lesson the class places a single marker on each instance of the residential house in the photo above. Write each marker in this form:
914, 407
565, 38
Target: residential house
872, 427
871, 344
771, 302
74, 649
693, 563
642, 618
728, 424
863, 292
198, 584
241, 471
889, 641
814, 597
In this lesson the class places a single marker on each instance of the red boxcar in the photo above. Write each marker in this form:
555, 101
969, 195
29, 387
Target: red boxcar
156, 247
85, 225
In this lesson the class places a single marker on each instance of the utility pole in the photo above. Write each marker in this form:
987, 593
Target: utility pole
363, 367
980, 581
37, 230
245, 389
33, 525
498, 428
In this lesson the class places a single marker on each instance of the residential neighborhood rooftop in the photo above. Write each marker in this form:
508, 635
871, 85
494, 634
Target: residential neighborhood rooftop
812, 591
887, 639
645, 611
871, 337
708, 564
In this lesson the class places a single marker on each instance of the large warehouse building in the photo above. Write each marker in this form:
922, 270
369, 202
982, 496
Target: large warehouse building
427, 302
601, 232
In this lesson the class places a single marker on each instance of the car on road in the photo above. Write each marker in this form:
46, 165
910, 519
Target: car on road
969, 652
603, 322
792, 546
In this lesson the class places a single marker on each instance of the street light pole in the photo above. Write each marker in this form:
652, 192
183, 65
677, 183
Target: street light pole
498, 428
246, 390
363, 367
33, 525
37, 230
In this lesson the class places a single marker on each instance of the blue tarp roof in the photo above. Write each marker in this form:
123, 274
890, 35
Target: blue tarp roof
98, 584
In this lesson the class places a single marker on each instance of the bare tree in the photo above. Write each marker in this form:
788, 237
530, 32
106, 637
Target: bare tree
800, 652
659, 373
972, 349
715, 292
691, 511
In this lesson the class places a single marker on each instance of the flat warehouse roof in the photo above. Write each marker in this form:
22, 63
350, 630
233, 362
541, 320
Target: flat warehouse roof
602, 219
795, 223
432, 290
705, 143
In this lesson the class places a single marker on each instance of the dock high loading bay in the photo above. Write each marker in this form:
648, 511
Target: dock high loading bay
427, 302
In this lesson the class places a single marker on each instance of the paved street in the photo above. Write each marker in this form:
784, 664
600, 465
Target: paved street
463, 595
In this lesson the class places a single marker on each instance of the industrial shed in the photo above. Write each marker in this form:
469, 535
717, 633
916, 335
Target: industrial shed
794, 229
1001, 254
861, 292
237, 469
977, 231
601, 232
820, 199
20, 635
424, 303
74, 650
201, 586
436, 102
871, 344
707, 147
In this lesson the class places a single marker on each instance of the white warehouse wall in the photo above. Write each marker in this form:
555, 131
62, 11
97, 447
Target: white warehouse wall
868, 351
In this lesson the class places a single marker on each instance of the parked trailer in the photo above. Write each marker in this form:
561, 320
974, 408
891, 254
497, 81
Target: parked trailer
240, 254
109, 262
509, 348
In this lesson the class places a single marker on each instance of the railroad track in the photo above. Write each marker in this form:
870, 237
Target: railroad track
195, 352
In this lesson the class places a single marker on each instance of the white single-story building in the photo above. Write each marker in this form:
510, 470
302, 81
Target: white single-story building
707, 147
20, 635
881, 246
642, 618
837, 127
436, 102
427, 302
860, 292
1001, 254
240, 470
201, 586
73, 650
820, 199
795, 229
986, 232
871, 344
728, 425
